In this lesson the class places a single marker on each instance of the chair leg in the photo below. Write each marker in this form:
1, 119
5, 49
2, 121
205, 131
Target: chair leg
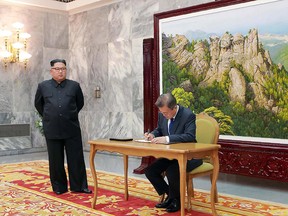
216, 195
162, 198
192, 188
216, 191
190, 192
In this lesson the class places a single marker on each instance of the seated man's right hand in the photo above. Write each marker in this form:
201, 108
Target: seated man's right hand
148, 136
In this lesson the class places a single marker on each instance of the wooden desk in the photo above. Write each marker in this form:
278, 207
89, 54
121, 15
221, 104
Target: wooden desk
182, 152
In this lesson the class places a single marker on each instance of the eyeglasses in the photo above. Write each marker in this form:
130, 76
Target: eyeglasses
166, 111
58, 69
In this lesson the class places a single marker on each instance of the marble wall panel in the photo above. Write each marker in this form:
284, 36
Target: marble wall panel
98, 64
77, 66
83, 115
22, 92
119, 21
22, 117
97, 26
120, 124
142, 18
78, 71
98, 124
56, 34
36, 64
15, 143
119, 77
138, 125
137, 73
177, 4
78, 59
78, 55
137, 94
6, 99
78, 31
137, 57
6, 117
5, 72
38, 140
11, 14
97, 59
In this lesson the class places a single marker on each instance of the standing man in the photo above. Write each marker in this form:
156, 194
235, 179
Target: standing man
175, 124
58, 101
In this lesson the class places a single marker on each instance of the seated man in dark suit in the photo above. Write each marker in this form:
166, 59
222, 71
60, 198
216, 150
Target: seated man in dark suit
175, 124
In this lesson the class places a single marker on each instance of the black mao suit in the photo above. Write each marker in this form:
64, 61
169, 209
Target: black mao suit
183, 130
59, 105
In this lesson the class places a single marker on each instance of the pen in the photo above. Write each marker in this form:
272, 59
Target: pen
147, 134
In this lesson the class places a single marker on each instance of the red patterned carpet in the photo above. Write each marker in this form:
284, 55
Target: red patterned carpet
25, 190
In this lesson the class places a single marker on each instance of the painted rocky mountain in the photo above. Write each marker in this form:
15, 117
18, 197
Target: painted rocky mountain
226, 56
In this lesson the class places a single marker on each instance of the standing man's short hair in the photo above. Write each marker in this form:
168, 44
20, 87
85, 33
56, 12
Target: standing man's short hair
57, 60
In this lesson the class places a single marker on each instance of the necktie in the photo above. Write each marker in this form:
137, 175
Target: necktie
171, 125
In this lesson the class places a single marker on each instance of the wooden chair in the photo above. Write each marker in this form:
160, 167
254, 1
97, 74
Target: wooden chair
207, 131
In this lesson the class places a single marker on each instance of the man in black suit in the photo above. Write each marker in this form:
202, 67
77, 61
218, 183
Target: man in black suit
59, 101
175, 124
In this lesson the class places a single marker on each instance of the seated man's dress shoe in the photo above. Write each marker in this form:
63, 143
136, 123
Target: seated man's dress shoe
174, 206
164, 204
85, 190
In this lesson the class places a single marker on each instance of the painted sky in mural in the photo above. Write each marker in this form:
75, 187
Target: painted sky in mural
268, 17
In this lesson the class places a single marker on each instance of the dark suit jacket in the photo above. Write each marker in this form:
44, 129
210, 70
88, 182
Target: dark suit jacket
59, 105
184, 127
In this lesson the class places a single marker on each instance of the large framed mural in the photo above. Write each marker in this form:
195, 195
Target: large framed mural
229, 59
232, 62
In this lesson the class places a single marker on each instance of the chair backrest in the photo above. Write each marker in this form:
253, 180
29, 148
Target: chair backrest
207, 129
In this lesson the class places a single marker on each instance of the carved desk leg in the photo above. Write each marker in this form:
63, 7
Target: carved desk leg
182, 161
125, 157
93, 172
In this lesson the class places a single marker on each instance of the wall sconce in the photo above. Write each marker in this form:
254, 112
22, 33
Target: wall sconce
15, 44
97, 92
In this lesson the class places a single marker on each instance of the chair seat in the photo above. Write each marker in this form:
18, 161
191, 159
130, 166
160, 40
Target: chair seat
205, 167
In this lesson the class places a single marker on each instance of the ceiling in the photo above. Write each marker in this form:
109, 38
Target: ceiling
71, 6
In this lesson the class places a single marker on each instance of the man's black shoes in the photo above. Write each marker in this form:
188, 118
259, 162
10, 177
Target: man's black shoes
60, 192
174, 206
164, 204
85, 190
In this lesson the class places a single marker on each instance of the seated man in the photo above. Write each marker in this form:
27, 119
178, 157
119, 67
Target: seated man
175, 124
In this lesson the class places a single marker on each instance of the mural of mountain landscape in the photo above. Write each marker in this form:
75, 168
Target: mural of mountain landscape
238, 77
